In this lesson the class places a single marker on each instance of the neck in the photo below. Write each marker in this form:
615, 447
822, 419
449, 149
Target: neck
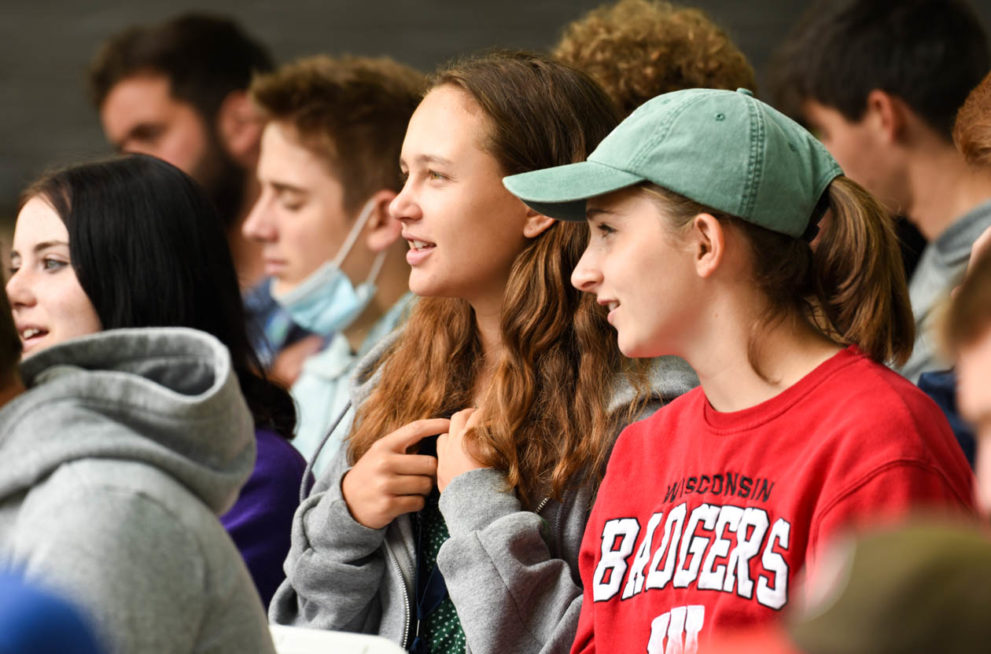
944, 188
789, 350
488, 317
392, 283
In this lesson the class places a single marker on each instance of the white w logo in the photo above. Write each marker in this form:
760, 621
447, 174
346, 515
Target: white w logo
680, 627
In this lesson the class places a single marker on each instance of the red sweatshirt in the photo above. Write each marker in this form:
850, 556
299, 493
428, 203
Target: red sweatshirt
704, 519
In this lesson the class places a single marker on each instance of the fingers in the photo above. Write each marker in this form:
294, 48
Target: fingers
408, 485
461, 420
408, 464
408, 504
375, 502
411, 434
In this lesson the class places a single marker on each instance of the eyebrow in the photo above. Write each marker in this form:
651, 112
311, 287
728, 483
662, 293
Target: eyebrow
140, 130
595, 213
428, 158
283, 187
44, 245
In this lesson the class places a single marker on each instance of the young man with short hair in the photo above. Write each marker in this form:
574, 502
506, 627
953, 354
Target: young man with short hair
881, 83
329, 168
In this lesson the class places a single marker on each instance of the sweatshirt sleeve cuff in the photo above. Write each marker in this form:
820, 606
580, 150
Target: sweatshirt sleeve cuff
329, 524
474, 499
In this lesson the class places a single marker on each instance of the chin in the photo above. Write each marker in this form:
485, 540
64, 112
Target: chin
631, 350
283, 286
637, 350
425, 287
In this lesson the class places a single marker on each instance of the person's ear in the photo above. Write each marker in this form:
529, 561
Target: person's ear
708, 242
535, 223
887, 113
382, 229
240, 125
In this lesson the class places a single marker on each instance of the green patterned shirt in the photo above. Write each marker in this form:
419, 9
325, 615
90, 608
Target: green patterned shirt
442, 628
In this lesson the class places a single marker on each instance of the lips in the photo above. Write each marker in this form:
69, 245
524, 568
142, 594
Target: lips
611, 306
419, 249
31, 334
274, 266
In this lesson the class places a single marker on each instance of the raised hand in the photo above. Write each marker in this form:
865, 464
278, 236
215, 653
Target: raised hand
387, 482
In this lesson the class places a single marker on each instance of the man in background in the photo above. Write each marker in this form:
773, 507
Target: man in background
881, 82
177, 90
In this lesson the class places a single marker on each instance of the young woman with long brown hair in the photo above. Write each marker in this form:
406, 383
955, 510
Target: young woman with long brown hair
515, 371
723, 232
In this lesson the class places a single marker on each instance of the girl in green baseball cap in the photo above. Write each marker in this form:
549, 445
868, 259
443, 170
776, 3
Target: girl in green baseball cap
722, 232
514, 368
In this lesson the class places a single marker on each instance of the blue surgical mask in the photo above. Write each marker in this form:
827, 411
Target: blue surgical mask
326, 301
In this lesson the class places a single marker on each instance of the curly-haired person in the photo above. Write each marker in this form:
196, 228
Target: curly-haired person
637, 49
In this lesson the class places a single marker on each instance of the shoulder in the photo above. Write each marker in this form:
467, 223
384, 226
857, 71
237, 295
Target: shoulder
121, 504
865, 392
98, 519
276, 454
273, 487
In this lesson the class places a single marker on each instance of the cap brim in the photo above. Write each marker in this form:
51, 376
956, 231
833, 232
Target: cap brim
561, 192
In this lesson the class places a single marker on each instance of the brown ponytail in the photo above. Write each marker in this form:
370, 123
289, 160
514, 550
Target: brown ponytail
849, 283
859, 281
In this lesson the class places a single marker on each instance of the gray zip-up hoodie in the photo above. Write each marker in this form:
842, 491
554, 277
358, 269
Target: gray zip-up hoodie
117, 461
512, 574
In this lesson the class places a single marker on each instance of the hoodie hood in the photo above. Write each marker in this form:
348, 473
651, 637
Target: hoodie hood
166, 397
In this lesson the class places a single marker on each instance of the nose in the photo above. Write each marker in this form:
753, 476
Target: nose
586, 275
259, 225
18, 289
404, 207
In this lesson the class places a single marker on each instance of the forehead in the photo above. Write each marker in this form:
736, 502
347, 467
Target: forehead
284, 159
447, 122
825, 118
147, 96
38, 222
621, 201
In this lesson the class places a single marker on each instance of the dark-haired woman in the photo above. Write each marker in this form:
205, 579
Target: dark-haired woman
146, 249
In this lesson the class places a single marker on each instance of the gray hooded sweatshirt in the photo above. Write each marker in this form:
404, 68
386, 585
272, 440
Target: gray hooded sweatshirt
512, 574
117, 461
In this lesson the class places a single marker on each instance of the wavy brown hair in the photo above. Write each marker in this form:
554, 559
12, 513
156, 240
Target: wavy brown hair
543, 420
850, 284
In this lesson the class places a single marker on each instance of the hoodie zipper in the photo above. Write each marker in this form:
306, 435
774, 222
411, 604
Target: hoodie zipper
394, 560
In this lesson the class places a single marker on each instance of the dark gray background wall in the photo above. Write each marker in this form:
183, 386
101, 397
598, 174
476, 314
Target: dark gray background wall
45, 45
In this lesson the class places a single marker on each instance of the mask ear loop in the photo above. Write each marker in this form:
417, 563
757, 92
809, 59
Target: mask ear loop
376, 268
817, 214
352, 236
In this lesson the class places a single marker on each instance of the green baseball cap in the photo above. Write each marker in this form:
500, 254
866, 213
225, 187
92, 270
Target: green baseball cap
723, 149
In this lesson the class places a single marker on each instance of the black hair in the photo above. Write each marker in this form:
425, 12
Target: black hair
204, 56
929, 53
10, 342
149, 250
